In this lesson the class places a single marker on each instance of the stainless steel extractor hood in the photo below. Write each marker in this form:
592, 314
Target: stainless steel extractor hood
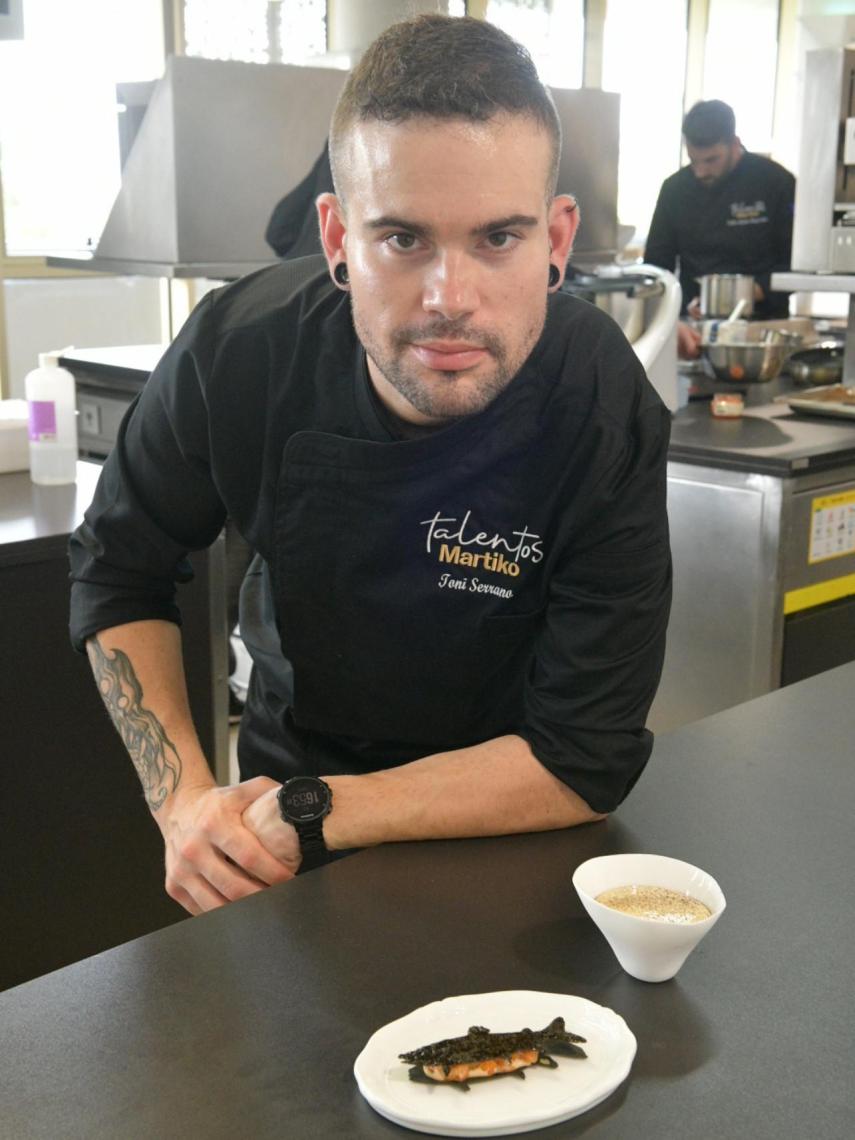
221, 142
590, 148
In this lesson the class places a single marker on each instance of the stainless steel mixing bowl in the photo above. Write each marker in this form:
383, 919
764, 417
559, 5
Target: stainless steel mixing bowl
745, 352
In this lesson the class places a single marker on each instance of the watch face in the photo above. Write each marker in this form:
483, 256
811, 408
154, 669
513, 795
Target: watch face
305, 798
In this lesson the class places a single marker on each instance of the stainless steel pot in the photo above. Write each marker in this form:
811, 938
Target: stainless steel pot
720, 293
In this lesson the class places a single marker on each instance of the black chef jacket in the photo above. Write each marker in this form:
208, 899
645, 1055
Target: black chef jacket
509, 573
741, 224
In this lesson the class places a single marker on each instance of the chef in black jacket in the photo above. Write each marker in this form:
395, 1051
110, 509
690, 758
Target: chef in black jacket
454, 480
728, 211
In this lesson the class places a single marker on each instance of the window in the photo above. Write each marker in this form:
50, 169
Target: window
256, 31
58, 116
651, 108
740, 62
553, 32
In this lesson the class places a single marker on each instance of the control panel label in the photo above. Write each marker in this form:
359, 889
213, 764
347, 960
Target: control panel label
832, 526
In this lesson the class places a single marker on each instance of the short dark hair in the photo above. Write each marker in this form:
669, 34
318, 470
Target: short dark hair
708, 123
443, 67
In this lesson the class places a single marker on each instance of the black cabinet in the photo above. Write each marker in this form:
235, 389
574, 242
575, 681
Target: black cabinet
82, 860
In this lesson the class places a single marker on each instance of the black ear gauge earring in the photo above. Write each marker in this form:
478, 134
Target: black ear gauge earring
341, 275
554, 275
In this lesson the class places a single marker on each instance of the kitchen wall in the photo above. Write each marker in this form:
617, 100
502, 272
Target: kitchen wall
53, 312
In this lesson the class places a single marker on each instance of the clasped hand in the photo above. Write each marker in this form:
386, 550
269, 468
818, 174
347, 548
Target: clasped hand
224, 844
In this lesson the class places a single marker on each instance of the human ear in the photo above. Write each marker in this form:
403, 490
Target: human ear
333, 229
562, 223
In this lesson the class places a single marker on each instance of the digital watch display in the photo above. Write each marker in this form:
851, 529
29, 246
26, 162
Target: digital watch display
304, 802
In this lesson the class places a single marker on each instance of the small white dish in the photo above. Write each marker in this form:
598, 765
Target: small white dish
505, 1106
649, 949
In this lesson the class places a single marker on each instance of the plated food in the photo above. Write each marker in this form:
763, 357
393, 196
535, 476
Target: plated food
496, 1107
482, 1055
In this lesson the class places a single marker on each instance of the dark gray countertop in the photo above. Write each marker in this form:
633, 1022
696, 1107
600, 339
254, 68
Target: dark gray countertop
769, 438
246, 1022
35, 520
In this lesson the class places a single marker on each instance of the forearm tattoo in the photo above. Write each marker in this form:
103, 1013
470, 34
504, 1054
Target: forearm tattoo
154, 755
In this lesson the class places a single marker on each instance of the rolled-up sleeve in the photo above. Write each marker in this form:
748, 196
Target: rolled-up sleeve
599, 655
155, 500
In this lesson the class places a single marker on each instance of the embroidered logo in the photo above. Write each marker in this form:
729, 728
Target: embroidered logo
747, 213
455, 541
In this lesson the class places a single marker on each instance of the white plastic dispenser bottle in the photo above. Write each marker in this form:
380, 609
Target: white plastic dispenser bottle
51, 406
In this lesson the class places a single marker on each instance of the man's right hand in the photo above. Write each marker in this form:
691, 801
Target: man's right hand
688, 341
212, 858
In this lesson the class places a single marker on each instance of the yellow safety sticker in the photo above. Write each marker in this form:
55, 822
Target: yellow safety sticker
832, 526
809, 596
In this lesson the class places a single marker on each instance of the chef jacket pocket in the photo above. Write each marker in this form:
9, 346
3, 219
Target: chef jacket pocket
380, 650
505, 655
419, 680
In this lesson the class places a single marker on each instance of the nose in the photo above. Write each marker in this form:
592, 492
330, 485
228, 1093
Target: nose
451, 288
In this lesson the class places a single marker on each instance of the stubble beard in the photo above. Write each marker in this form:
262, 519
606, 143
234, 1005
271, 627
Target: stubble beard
446, 395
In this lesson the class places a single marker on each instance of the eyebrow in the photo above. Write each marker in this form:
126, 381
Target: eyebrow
390, 222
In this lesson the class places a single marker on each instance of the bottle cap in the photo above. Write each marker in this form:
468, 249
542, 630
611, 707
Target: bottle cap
51, 359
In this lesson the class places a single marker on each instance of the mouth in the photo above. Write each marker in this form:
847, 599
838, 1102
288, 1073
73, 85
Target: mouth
449, 356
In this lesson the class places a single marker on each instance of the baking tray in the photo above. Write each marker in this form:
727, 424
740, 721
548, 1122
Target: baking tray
828, 400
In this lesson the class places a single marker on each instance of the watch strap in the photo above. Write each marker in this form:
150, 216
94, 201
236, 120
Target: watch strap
313, 850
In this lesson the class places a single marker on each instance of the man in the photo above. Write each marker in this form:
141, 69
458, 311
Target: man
455, 489
728, 211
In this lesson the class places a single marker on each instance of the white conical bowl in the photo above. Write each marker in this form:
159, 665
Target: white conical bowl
650, 949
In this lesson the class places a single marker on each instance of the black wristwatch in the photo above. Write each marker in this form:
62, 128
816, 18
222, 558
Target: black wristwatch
304, 802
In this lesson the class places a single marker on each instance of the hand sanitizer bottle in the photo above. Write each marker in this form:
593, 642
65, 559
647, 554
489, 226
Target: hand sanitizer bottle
51, 404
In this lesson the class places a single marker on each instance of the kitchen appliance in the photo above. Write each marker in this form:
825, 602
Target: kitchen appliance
645, 301
722, 292
762, 515
824, 221
107, 381
221, 142
823, 257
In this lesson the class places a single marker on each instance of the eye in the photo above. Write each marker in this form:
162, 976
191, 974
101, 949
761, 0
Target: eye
401, 241
501, 239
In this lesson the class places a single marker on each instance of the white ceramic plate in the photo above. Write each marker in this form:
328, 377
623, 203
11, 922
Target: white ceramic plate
507, 1105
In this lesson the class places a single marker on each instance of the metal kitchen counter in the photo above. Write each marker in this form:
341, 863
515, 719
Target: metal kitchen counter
762, 514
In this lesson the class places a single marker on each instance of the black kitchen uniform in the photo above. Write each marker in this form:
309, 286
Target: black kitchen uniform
509, 573
743, 223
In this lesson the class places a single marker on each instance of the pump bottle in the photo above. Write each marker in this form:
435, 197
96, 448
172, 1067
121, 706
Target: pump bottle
51, 405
